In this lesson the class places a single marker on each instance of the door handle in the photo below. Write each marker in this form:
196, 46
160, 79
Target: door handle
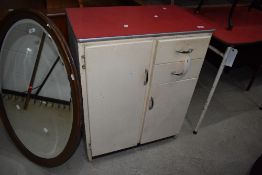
185, 51
177, 74
151, 103
146, 77
186, 66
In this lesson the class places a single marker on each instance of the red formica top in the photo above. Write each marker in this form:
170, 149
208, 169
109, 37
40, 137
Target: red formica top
125, 21
247, 28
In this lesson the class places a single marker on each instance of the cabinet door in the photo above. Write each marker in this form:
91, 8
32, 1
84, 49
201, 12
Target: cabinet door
116, 93
168, 105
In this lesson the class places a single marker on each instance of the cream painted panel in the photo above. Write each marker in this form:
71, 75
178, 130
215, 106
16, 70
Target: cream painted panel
171, 102
167, 48
116, 93
163, 72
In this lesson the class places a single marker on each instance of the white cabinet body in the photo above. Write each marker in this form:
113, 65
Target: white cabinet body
137, 90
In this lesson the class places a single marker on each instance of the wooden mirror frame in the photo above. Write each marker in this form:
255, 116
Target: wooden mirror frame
75, 135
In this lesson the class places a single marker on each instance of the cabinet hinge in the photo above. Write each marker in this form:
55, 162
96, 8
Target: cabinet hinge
84, 62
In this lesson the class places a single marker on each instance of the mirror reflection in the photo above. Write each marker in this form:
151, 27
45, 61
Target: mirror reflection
35, 89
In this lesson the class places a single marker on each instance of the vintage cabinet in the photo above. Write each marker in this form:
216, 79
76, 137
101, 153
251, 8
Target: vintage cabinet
138, 68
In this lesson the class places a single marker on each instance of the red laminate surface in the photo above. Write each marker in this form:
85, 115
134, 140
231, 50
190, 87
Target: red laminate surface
247, 24
100, 22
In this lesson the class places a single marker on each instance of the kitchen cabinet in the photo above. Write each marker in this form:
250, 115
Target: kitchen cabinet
137, 78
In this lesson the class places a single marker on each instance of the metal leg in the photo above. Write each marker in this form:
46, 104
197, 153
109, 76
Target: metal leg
172, 2
231, 12
197, 10
253, 3
211, 93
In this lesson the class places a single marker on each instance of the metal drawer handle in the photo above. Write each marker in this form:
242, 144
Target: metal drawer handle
146, 77
177, 74
185, 51
186, 66
151, 103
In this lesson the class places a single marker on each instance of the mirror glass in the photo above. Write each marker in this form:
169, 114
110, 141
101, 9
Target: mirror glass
35, 89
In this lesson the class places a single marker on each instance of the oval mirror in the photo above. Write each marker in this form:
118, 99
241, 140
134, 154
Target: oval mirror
40, 92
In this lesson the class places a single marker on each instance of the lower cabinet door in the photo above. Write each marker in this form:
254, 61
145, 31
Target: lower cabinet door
116, 93
167, 107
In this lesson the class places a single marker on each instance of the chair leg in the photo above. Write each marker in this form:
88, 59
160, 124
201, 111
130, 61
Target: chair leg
253, 4
255, 71
197, 10
230, 15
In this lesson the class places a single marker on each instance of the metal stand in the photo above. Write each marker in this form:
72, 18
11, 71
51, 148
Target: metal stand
228, 60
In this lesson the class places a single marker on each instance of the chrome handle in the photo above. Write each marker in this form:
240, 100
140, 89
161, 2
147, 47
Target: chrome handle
187, 63
177, 74
151, 104
185, 51
146, 77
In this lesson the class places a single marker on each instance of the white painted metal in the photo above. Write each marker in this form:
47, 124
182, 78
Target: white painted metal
78, 53
170, 103
115, 99
83, 75
167, 48
148, 36
219, 73
116, 93
216, 50
163, 72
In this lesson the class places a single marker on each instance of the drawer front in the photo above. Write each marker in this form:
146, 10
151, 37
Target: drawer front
163, 72
168, 49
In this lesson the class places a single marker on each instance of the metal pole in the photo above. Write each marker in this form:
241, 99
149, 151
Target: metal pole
211, 93
197, 10
230, 15
47, 76
30, 87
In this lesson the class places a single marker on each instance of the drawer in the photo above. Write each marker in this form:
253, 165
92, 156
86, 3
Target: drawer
163, 72
167, 49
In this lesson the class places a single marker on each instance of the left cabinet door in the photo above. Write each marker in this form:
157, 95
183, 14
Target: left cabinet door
116, 91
